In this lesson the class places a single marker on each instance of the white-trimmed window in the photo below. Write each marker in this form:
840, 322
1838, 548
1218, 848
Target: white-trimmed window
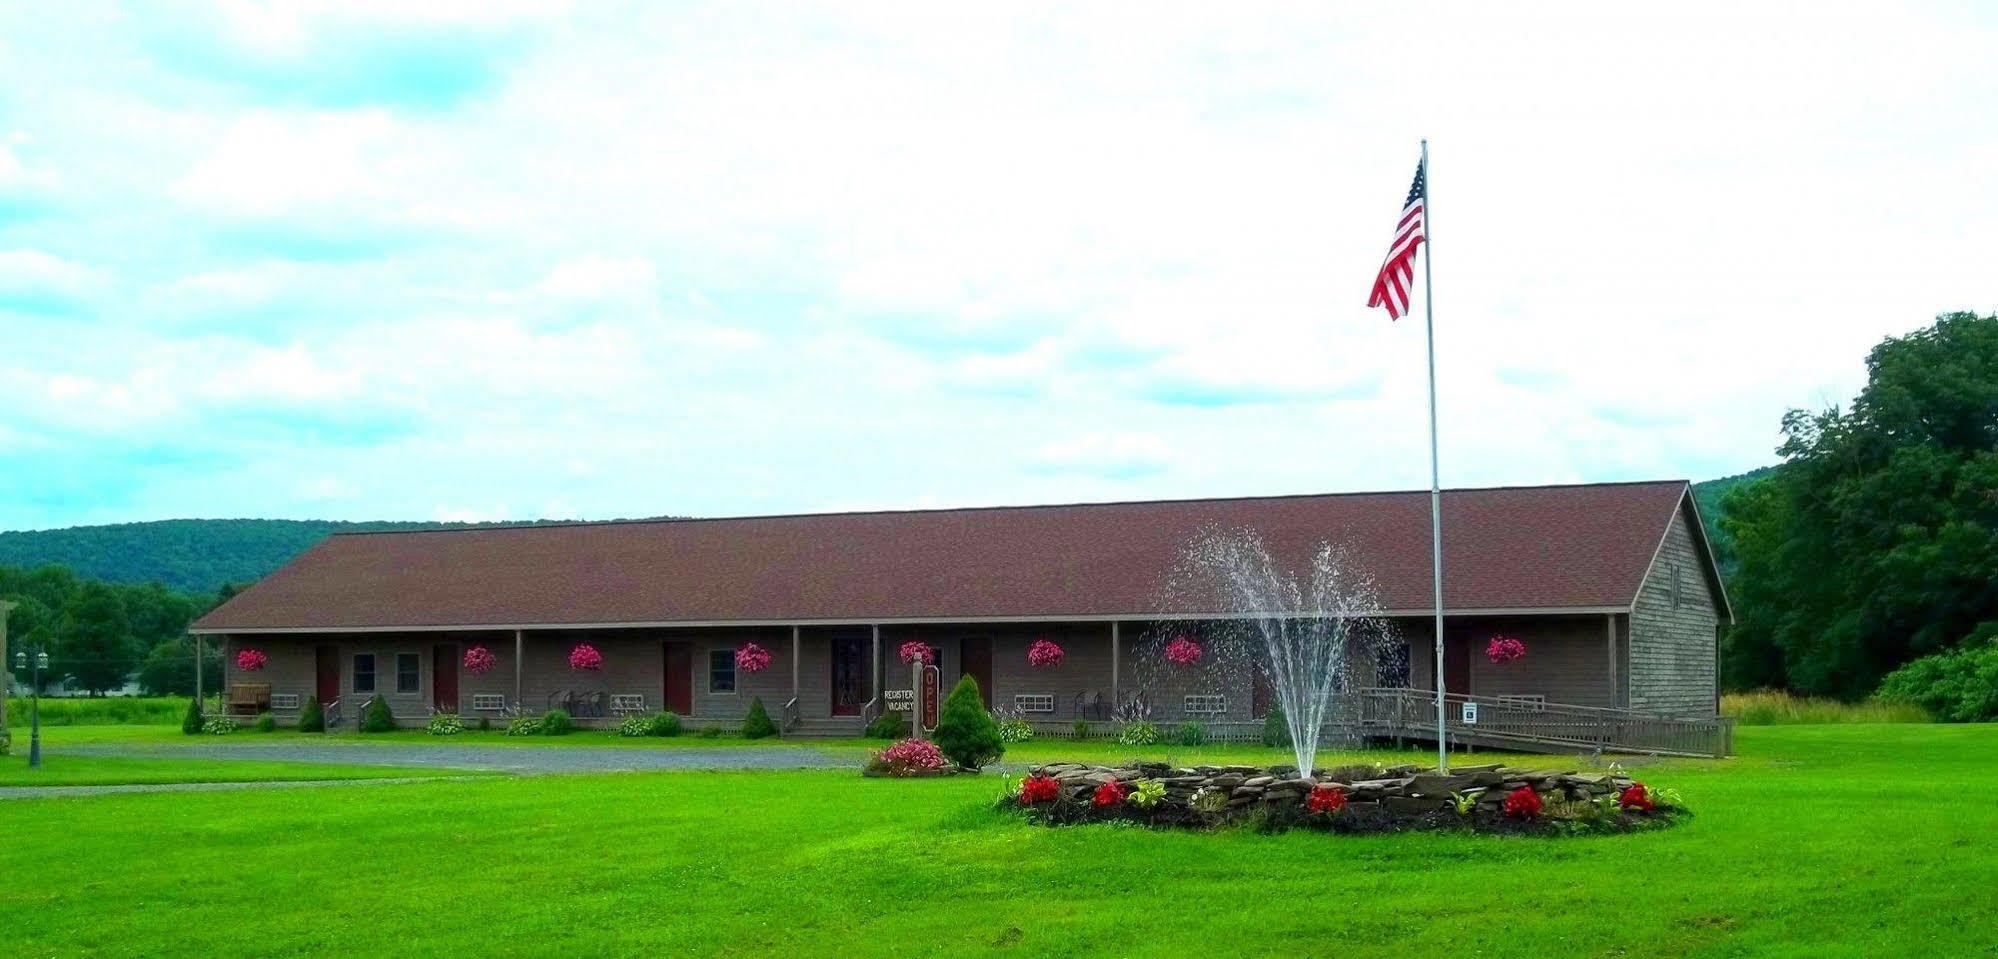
721, 670
627, 702
284, 701
1034, 702
364, 672
1535, 703
493, 702
1205, 705
408, 673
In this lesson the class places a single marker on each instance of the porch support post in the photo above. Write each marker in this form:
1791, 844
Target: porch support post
1116, 665
519, 658
199, 649
796, 648
1609, 634
874, 669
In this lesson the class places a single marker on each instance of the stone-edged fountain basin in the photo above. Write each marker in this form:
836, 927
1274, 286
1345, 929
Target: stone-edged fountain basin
1372, 798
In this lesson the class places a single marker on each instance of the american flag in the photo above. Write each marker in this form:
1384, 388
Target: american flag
1398, 271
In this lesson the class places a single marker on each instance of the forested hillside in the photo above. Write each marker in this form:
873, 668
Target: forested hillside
192, 555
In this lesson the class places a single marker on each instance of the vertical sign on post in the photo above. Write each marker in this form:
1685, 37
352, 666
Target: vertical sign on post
932, 691
916, 695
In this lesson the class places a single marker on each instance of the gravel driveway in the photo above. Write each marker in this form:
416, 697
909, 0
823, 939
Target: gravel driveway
517, 759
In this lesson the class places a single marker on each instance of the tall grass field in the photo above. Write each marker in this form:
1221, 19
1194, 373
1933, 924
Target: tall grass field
105, 711
1772, 707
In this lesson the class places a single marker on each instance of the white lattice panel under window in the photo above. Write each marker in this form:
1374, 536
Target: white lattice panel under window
488, 701
1034, 703
1534, 704
627, 702
284, 700
1206, 705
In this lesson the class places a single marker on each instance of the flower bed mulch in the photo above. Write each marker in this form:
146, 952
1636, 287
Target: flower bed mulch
1491, 798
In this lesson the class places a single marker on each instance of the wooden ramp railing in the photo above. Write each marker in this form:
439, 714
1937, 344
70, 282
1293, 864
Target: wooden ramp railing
1529, 724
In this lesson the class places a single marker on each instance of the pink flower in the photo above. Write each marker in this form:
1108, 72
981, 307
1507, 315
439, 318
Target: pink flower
752, 658
912, 756
1182, 652
916, 651
479, 660
1044, 653
1504, 649
251, 660
585, 656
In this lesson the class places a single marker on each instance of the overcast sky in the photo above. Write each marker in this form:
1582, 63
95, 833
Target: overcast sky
486, 261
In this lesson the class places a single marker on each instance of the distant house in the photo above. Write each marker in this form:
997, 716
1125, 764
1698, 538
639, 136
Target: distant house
1611, 587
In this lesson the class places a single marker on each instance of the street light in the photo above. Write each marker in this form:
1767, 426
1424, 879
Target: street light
35, 707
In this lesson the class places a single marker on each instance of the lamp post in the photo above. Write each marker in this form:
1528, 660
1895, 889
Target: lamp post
41, 661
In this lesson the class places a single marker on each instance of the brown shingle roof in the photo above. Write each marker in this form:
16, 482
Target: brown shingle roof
1508, 548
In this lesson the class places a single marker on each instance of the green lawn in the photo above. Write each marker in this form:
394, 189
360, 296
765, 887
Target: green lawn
61, 770
1813, 844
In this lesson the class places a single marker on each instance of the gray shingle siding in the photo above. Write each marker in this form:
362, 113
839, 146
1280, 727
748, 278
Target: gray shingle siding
1673, 630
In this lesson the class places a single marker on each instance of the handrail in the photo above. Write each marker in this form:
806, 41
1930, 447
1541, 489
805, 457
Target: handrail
790, 714
1412, 712
867, 710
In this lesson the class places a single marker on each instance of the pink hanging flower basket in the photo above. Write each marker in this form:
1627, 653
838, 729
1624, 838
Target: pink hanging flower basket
251, 660
585, 657
1504, 649
480, 660
918, 652
752, 658
1044, 653
1182, 652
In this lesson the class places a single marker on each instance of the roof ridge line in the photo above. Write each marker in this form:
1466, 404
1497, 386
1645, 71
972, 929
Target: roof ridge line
661, 520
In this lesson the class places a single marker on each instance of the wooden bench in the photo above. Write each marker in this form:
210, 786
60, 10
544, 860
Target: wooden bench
249, 699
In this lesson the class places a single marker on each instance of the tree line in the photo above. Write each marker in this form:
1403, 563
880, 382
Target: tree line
1873, 547
99, 634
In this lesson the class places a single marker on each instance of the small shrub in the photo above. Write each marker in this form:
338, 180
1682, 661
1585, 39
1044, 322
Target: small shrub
1148, 793
710, 732
219, 726
1015, 731
1081, 729
312, 719
634, 727
757, 724
192, 723
665, 724
444, 724
6, 742
524, 726
1189, 734
266, 723
1138, 732
376, 718
556, 722
1276, 732
965, 730
485, 724
889, 725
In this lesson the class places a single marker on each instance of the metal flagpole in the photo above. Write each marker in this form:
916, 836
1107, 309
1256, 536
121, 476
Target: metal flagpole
1435, 473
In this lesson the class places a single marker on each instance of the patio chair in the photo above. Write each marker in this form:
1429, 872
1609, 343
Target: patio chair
1089, 704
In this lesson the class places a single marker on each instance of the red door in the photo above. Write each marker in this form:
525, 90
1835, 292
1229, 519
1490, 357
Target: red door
679, 671
974, 659
849, 676
444, 678
329, 673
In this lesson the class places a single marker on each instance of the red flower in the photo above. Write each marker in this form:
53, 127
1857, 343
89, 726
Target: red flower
1325, 799
1039, 789
1044, 653
916, 651
250, 660
1182, 652
1109, 794
1522, 803
1637, 797
584, 657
